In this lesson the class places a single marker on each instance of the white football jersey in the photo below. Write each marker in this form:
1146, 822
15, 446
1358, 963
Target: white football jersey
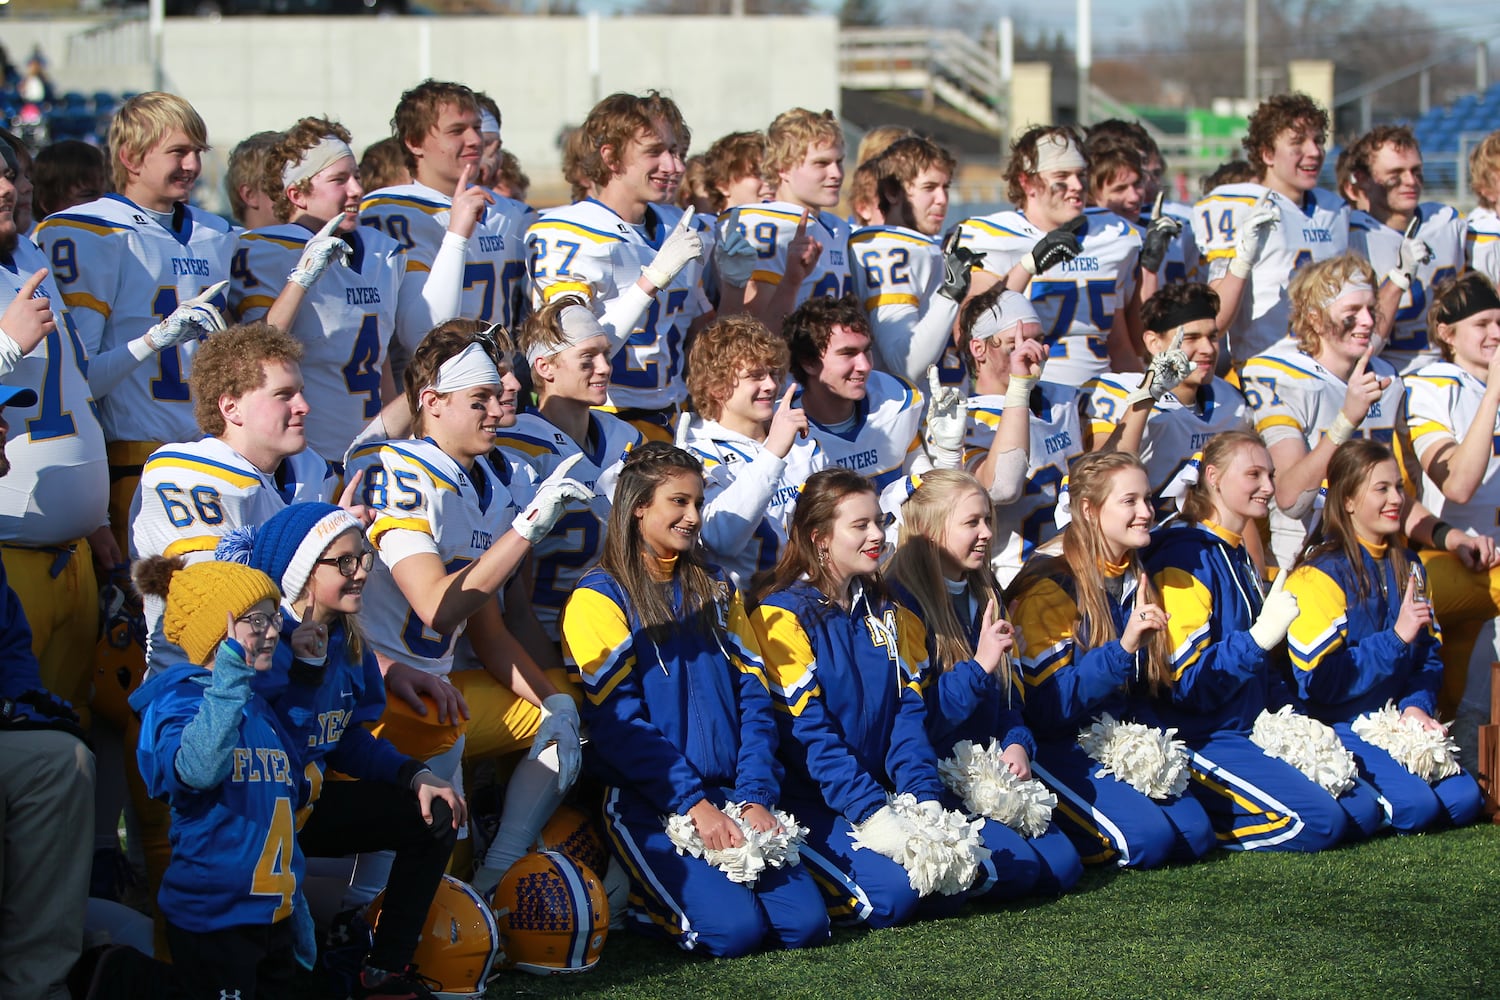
886, 435
494, 285
577, 540
57, 489
770, 227
1482, 242
1441, 229
121, 272
1315, 230
1292, 396
1056, 439
424, 501
897, 274
1175, 432
344, 323
1076, 300
586, 249
749, 494
1441, 402
193, 493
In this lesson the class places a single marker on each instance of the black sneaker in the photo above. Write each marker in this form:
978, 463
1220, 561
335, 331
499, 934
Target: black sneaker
377, 984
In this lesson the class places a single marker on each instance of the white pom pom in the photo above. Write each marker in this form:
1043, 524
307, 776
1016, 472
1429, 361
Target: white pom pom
944, 851
1430, 754
1147, 759
981, 778
1308, 745
761, 849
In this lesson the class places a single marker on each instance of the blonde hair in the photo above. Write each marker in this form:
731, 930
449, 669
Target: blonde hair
1199, 504
792, 134
1312, 291
247, 168
878, 140
1484, 169
918, 562
145, 120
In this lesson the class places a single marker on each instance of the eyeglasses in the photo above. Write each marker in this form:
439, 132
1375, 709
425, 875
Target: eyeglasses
349, 563
259, 621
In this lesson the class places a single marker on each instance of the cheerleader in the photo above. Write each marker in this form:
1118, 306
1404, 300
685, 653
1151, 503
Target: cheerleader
1093, 641
845, 665
1223, 636
1365, 636
681, 721
941, 571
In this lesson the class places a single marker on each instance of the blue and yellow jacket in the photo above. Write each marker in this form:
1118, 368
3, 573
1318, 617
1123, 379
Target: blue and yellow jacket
324, 709
215, 751
966, 703
1221, 680
1068, 686
848, 694
676, 715
1346, 656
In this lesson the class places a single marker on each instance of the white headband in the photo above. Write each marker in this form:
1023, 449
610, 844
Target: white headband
578, 325
1058, 152
325, 154
488, 123
1355, 284
1011, 308
465, 370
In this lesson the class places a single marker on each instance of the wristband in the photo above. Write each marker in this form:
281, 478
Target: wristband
1399, 278
1440, 533
1018, 393
141, 348
1341, 431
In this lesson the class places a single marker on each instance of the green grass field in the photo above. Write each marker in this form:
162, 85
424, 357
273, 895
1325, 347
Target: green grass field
1398, 917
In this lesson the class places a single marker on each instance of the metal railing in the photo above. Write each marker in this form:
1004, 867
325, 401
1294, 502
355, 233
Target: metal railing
941, 63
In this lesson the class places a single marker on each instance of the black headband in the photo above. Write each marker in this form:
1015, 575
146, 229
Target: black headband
1480, 298
1190, 311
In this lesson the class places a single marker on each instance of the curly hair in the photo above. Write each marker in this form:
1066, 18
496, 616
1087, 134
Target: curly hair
232, 363
295, 142
719, 353
1312, 291
1280, 113
1484, 170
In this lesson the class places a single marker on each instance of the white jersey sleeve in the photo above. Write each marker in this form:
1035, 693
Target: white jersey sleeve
1315, 230
1442, 401
587, 250
343, 325
1440, 227
1056, 438
771, 226
577, 539
57, 489
897, 274
1482, 242
426, 503
121, 272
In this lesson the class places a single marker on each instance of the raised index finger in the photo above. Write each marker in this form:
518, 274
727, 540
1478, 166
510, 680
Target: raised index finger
331, 225
463, 179
1161, 196
802, 226
1412, 227
346, 499
31, 284
686, 222
791, 390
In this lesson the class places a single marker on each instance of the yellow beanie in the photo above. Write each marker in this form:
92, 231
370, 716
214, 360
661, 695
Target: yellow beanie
200, 597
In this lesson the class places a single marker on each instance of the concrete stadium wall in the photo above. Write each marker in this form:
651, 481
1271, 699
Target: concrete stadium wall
245, 75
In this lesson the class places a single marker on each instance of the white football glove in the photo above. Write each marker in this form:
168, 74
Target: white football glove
734, 256
1255, 229
560, 725
681, 246
885, 833
319, 252
1414, 253
194, 318
947, 422
1276, 615
1165, 373
552, 498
